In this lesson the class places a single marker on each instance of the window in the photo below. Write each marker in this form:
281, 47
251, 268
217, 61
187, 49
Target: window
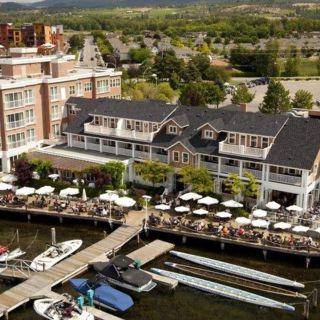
54, 93
185, 157
112, 123
253, 141
28, 97
128, 125
31, 136
118, 82
232, 138
173, 129
55, 130
29, 116
16, 140
88, 86
72, 90
265, 142
154, 127
79, 89
102, 86
176, 156
138, 126
13, 100
55, 112
208, 134
15, 120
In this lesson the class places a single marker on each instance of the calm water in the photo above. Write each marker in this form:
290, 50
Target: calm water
184, 303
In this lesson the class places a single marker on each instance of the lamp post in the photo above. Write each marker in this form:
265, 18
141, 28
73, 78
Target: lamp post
147, 199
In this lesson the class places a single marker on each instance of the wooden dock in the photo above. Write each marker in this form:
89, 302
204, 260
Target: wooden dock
63, 271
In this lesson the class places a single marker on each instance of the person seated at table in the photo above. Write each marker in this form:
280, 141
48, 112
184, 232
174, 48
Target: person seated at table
241, 231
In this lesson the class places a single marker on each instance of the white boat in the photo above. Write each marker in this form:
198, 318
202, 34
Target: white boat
63, 309
7, 255
55, 254
224, 291
237, 270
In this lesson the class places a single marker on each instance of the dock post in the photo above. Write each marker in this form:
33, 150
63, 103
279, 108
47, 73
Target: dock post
60, 220
306, 306
308, 260
315, 297
53, 236
6, 315
113, 252
184, 239
138, 238
265, 254
146, 232
104, 234
95, 222
29, 217
222, 246
111, 224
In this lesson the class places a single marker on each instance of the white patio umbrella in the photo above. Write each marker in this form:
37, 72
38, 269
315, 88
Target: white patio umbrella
45, 190
223, 215
53, 176
9, 178
190, 196
259, 213
273, 205
282, 225
300, 229
162, 207
69, 192
243, 221
84, 195
200, 212
182, 209
259, 223
35, 175
208, 201
25, 191
108, 197
125, 202
232, 204
294, 208
317, 230
5, 186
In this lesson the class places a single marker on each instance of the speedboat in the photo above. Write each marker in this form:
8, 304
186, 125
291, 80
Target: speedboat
7, 255
54, 254
104, 295
63, 309
121, 272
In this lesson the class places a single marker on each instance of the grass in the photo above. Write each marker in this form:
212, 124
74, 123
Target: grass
308, 68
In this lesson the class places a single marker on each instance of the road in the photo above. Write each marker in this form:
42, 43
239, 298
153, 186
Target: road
88, 53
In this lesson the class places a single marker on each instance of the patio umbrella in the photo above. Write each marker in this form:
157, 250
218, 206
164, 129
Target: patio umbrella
84, 195
208, 201
259, 213
223, 215
243, 221
232, 204
125, 202
300, 229
69, 192
282, 225
53, 176
5, 186
25, 191
273, 205
259, 223
294, 208
190, 196
200, 212
317, 230
182, 209
9, 178
110, 197
162, 207
45, 190
35, 175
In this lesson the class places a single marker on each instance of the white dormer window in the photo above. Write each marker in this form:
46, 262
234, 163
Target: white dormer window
253, 141
265, 142
185, 157
176, 156
232, 138
128, 125
208, 134
173, 129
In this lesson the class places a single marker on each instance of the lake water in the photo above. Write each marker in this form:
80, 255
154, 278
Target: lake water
183, 303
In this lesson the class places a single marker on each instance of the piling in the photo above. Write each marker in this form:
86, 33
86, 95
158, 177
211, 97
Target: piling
265, 252
53, 236
315, 297
306, 307
138, 238
308, 260
184, 239
60, 220
29, 217
104, 234
222, 245
95, 222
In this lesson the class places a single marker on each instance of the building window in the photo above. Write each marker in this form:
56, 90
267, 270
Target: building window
13, 100
118, 82
79, 89
16, 140
253, 141
54, 93
173, 129
112, 123
185, 157
102, 86
28, 97
55, 112
55, 130
176, 156
138, 126
15, 120
208, 134
88, 86
29, 118
232, 138
265, 142
72, 90
128, 125
31, 136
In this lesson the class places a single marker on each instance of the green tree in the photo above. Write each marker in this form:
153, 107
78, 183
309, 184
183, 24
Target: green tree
190, 73
166, 63
42, 167
242, 95
76, 41
292, 64
198, 178
216, 74
23, 171
153, 171
139, 55
202, 62
303, 99
276, 99
116, 169
233, 184
193, 94
214, 94
251, 188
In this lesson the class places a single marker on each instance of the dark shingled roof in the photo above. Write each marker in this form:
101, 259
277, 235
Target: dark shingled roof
181, 120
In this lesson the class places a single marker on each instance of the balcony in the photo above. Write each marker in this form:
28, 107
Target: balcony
16, 144
160, 157
142, 155
229, 169
285, 179
29, 120
256, 173
125, 152
14, 104
130, 134
78, 144
56, 116
15, 124
243, 150
108, 149
212, 166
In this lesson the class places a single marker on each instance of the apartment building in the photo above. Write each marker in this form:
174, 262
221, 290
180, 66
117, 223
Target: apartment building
33, 92
282, 152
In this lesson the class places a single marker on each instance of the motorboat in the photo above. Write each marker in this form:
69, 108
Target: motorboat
104, 295
54, 254
60, 309
7, 255
237, 270
223, 290
121, 272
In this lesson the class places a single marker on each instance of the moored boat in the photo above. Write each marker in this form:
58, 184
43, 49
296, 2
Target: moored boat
237, 270
55, 254
223, 290
7, 255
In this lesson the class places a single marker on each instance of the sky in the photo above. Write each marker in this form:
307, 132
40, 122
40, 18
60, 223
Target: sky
20, 1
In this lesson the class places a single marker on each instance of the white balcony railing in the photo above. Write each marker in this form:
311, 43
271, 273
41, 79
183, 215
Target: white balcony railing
31, 139
29, 120
16, 144
141, 154
256, 173
93, 146
14, 104
125, 152
212, 166
243, 150
229, 169
160, 157
56, 116
77, 144
15, 124
108, 149
284, 178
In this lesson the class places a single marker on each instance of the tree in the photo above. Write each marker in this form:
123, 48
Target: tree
318, 65
153, 171
190, 73
199, 179
116, 170
193, 94
23, 171
214, 94
251, 188
292, 64
76, 41
166, 63
276, 99
100, 177
216, 74
42, 167
303, 99
201, 61
139, 55
233, 184
242, 95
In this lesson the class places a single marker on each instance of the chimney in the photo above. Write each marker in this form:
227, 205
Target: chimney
243, 107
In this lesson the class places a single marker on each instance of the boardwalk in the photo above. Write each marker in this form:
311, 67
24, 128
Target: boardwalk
68, 268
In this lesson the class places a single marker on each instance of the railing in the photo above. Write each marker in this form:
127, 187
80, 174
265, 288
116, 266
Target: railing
125, 152
55, 98
18, 103
209, 165
15, 124
17, 268
93, 146
284, 178
29, 120
31, 139
229, 169
243, 150
160, 157
108, 149
141, 154
56, 116
77, 144
16, 144
103, 89
256, 173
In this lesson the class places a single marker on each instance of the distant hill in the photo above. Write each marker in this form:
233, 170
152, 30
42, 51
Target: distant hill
11, 6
